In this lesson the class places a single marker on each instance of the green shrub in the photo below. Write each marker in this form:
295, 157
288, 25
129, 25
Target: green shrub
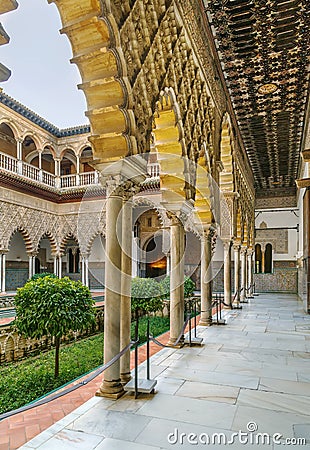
189, 287
146, 295
25, 381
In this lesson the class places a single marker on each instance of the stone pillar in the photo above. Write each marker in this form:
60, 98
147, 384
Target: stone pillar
168, 264
111, 385
237, 273
55, 266
83, 270
19, 150
86, 272
176, 280
250, 273
126, 287
135, 256
227, 274
60, 266
243, 283
33, 265
263, 259
206, 279
3, 271
57, 173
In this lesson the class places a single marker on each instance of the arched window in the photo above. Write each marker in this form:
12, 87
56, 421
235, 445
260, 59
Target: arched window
268, 258
258, 258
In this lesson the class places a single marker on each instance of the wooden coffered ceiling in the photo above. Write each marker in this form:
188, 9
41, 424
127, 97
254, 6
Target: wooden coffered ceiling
264, 50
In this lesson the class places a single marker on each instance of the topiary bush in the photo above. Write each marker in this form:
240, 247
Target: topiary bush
51, 306
146, 295
189, 287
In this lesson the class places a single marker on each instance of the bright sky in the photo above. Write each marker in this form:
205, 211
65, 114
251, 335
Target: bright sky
38, 56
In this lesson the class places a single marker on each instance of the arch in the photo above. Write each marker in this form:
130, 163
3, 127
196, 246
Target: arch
258, 258
95, 41
171, 150
65, 240
68, 163
48, 235
91, 240
48, 149
8, 122
155, 259
30, 134
145, 201
268, 258
226, 154
25, 234
8, 140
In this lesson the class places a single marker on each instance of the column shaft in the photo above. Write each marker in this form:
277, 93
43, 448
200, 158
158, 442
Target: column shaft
206, 280
60, 266
55, 266
227, 274
176, 280
30, 271
111, 386
83, 270
3, 273
250, 273
237, 273
126, 288
86, 273
243, 274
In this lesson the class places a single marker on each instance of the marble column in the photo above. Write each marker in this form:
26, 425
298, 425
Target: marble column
206, 279
32, 260
250, 273
60, 266
83, 270
243, 283
126, 287
86, 273
55, 266
19, 150
135, 256
227, 274
111, 385
3, 272
237, 273
176, 280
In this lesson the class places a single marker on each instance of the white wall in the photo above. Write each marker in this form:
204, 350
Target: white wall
282, 218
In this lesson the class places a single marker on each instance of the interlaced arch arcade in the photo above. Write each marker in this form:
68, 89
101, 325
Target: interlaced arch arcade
141, 63
147, 73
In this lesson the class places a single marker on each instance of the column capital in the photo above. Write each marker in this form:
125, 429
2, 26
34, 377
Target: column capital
227, 244
243, 249
236, 246
118, 187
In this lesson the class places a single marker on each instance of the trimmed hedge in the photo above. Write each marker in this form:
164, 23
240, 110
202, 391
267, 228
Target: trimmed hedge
25, 381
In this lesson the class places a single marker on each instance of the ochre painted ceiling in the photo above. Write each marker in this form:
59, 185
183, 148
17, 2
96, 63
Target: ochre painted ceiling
264, 50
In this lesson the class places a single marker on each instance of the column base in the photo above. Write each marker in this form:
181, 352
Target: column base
125, 378
110, 389
205, 322
171, 342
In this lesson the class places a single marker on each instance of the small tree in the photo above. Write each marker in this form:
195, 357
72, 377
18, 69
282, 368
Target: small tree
52, 307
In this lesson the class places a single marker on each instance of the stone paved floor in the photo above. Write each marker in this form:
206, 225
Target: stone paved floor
252, 374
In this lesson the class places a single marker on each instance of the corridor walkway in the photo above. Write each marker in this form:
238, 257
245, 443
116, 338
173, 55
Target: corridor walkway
251, 375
